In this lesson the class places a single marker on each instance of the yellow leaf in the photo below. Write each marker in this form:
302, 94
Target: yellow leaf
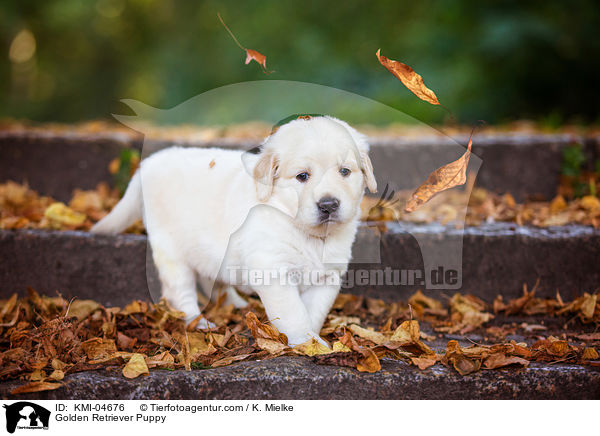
589, 353
339, 347
590, 203
311, 348
59, 213
57, 375
82, 308
136, 366
407, 332
373, 336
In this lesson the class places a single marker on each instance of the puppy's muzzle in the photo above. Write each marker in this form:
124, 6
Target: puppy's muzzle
328, 207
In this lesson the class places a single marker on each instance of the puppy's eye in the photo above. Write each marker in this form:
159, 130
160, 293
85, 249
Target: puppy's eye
302, 177
345, 172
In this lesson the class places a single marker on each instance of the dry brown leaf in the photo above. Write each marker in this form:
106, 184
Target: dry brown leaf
230, 359
369, 362
373, 336
410, 79
424, 362
136, 366
37, 386
262, 330
499, 360
97, 348
273, 347
82, 308
446, 177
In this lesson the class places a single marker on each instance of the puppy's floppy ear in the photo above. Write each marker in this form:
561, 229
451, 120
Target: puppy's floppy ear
264, 174
367, 169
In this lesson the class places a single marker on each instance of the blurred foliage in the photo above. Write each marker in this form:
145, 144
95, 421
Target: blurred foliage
572, 159
498, 60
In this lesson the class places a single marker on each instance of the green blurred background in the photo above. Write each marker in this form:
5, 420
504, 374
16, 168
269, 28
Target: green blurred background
72, 60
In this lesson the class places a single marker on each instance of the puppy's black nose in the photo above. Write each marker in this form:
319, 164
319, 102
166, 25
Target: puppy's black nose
328, 205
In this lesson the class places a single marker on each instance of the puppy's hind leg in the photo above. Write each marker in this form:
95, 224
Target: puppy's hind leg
179, 287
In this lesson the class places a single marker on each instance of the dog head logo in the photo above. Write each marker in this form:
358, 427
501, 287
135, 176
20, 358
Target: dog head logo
26, 415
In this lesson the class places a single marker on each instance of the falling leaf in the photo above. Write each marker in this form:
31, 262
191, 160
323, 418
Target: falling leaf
37, 386
446, 177
408, 76
136, 366
251, 55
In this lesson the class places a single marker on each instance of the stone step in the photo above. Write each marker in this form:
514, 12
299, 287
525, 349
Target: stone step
523, 165
298, 378
496, 259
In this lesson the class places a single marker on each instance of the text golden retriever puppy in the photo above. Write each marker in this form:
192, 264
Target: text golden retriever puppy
279, 223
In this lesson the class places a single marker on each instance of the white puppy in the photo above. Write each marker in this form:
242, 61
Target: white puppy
228, 216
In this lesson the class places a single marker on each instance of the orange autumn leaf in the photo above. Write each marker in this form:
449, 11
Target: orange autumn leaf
409, 77
446, 177
251, 55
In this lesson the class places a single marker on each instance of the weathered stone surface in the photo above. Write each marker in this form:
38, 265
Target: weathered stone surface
497, 259
523, 165
292, 378
56, 164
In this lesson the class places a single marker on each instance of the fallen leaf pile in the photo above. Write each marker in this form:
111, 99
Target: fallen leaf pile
43, 339
482, 207
23, 208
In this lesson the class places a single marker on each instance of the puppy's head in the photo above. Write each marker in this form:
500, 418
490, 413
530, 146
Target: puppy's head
324, 162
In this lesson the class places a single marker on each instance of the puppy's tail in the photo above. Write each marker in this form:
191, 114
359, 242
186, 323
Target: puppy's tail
126, 212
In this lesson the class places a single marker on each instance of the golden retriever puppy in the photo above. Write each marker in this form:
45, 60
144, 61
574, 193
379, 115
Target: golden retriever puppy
279, 223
